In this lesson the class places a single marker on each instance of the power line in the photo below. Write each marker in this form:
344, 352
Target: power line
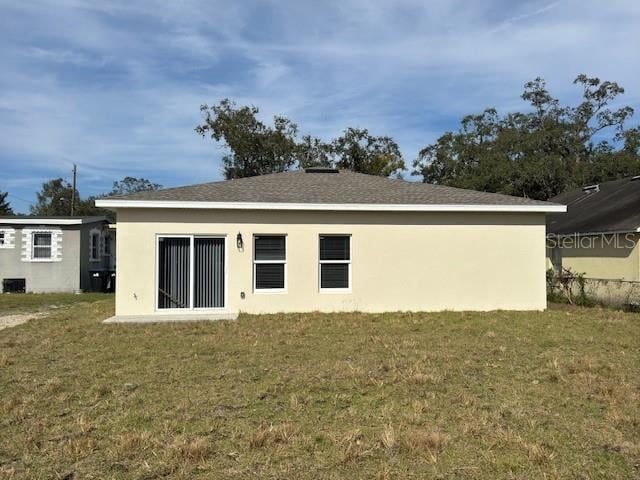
18, 198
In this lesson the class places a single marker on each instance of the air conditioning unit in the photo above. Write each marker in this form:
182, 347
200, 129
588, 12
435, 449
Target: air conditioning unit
14, 285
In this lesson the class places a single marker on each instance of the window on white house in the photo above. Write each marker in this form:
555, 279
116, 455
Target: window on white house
335, 262
41, 246
94, 247
269, 263
7, 237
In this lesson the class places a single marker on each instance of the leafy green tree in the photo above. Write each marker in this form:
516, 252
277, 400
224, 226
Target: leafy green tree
132, 185
313, 152
359, 151
538, 153
54, 199
611, 164
254, 148
87, 207
5, 207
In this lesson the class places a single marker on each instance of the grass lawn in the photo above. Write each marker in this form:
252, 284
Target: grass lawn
10, 303
450, 395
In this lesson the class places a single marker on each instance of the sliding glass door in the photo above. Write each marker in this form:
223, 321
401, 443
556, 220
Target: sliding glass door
191, 272
174, 272
208, 285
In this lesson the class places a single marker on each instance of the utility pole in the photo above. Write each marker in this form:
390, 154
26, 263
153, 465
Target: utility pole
73, 192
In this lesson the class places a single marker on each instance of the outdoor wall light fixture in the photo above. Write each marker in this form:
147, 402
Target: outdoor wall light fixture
239, 241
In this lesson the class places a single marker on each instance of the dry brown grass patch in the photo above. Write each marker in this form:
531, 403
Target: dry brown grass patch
425, 443
5, 361
127, 443
354, 452
77, 448
53, 385
191, 449
297, 402
388, 438
353, 446
538, 454
415, 374
267, 435
7, 472
102, 390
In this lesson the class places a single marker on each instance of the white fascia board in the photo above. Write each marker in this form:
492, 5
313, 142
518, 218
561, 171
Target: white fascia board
351, 207
592, 234
40, 221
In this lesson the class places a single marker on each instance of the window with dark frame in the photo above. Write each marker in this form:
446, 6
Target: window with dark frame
335, 262
2, 238
107, 245
95, 246
41, 246
269, 263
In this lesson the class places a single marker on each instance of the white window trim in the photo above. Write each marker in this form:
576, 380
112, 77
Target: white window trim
348, 262
260, 291
27, 245
95, 232
9, 238
191, 308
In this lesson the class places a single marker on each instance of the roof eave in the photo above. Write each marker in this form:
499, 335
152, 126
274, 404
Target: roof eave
352, 207
50, 221
591, 233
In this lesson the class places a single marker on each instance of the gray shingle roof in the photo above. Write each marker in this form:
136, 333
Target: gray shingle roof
344, 187
612, 207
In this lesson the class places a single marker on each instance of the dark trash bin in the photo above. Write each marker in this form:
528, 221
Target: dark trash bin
111, 282
102, 280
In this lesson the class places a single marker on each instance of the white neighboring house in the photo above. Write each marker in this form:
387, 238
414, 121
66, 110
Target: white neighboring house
56, 254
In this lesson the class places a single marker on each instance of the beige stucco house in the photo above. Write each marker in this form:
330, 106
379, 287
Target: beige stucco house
599, 235
326, 240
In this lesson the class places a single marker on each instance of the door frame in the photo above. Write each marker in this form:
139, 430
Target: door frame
191, 309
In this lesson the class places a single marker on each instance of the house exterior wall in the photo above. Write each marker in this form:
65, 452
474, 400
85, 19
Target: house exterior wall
88, 264
611, 256
401, 261
50, 276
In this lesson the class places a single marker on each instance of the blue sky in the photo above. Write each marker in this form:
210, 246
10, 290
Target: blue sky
116, 86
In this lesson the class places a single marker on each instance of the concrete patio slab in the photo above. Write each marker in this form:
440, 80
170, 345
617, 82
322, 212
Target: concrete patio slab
199, 317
